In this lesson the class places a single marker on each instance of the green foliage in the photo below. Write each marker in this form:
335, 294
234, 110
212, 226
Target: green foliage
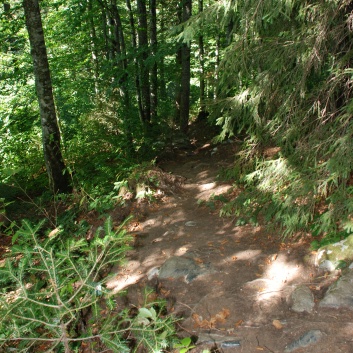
152, 328
184, 345
53, 294
292, 63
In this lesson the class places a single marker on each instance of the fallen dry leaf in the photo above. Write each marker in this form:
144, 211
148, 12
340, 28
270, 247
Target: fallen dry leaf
277, 324
211, 323
238, 323
164, 292
274, 257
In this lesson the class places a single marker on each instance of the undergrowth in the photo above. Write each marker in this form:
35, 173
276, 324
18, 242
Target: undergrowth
54, 298
287, 196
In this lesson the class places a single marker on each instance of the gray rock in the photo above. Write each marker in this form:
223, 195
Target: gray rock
340, 294
230, 344
302, 300
223, 341
179, 266
330, 257
191, 224
305, 340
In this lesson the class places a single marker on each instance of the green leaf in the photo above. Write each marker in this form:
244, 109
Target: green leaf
145, 313
186, 341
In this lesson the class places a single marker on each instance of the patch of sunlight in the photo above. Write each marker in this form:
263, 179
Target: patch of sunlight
278, 274
182, 250
207, 186
121, 281
245, 255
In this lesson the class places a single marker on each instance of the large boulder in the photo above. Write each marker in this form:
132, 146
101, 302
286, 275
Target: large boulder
330, 257
339, 295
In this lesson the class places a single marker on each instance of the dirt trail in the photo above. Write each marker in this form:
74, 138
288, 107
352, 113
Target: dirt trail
238, 301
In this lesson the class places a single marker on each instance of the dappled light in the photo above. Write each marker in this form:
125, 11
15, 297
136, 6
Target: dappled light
176, 176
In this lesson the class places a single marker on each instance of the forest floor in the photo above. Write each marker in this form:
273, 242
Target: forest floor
230, 284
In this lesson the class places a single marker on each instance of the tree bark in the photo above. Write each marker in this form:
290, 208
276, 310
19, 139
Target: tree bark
94, 52
143, 56
58, 180
134, 45
202, 69
154, 69
178, 65
185, 74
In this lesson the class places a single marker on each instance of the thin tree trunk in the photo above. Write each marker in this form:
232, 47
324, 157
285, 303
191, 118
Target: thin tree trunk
143, 68
162, 83
134, 45
185, 74
124, 79
202, 69
94, 53
105, 33
154, 70
58, 180
178, 65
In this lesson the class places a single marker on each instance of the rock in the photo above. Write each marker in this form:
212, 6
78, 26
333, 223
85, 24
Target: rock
190, 224
223, 341
329, 257
179, 266
302, 300
305, 340
230, 344
153, 272
340, 293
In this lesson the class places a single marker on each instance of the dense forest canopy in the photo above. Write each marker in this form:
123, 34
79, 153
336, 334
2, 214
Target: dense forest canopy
128, 77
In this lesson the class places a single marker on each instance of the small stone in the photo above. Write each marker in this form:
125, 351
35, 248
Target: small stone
277, 324
191, 224
230, 344
305, 340
223, 341
152, 273
302, 300
179, 266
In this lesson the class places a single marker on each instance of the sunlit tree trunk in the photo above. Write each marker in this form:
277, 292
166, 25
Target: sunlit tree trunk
202, 68
58, 180
185, 74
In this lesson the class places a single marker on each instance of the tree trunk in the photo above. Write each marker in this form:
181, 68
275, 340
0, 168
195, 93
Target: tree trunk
162, 83
58, 180
143, 56
178, 65
94, 52
202, 69
185, 74
134, 45
154, 70
124, 79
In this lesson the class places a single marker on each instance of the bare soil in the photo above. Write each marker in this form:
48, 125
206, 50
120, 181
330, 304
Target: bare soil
244, 293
